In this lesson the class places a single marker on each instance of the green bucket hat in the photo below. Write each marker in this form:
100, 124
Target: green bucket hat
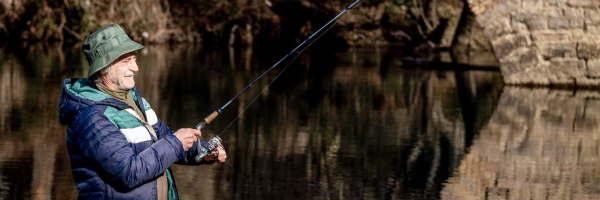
104, 46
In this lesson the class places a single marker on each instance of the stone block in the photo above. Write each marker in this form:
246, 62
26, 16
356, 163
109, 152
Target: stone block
532, 20
556, 23
593, 68
519, 27
578, 35
555, 2
592, 17
583, 3
496, 28
572, 19
567, 63
485, 14
588, 50
550, 36
514, 2
536, 24
592, 28
558, 50
506, 44
527, 57
565, 69
575, 17
507, 67
574, 12
551, 11
532, 4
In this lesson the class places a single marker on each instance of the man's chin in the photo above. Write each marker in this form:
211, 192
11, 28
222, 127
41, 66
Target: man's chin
125, 88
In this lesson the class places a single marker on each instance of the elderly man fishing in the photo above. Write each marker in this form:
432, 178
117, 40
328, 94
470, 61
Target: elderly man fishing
118, 147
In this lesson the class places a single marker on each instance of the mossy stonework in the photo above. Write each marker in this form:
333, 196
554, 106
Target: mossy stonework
544, 42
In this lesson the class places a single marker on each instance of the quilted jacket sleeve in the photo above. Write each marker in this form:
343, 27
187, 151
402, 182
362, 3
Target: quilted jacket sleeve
100, 140
164, 131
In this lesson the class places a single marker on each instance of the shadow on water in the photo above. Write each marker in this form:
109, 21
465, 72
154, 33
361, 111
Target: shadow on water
351, 125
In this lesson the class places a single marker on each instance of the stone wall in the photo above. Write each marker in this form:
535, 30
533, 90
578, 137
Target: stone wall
544, 42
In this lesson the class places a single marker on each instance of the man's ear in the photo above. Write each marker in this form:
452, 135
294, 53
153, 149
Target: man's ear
101, 76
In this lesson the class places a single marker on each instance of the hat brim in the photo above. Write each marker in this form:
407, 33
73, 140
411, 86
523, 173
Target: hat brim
111, 56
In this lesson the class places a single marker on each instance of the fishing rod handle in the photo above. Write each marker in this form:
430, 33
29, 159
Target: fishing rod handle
207, 120
211, 117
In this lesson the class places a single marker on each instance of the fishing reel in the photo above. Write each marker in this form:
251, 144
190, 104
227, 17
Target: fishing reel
206, 147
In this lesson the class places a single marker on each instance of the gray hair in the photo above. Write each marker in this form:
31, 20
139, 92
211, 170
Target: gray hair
97, 77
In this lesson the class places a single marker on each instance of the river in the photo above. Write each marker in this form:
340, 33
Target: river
358, 124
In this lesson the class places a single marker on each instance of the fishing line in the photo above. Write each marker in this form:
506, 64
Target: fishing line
243, 111
266, 87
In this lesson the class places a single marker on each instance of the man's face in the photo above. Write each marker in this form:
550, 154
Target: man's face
121, 74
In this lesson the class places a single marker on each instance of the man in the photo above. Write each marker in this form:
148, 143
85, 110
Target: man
118, 147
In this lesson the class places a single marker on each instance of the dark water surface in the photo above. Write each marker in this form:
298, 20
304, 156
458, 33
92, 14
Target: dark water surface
352, 125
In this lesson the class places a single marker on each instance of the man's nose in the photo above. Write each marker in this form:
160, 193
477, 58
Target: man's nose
134, 67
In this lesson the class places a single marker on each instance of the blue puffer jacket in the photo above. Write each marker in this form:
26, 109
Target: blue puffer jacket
113, 156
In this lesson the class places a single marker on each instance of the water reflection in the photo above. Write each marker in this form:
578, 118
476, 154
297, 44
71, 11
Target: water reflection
352, 125
32, 151
539, 144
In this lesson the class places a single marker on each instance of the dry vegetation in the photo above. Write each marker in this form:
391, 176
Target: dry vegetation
235, 22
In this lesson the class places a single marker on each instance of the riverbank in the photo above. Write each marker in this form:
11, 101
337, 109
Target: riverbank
434, 23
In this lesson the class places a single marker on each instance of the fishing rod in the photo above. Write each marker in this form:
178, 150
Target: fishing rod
207, 147
292, 54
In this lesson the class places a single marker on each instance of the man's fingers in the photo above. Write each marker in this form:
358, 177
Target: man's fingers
196, 134
222, 155
222, 158
191, 135
196, 138
187, 137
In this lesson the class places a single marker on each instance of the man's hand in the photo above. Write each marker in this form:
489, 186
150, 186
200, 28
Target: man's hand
218, 154
187, 137
221, 154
